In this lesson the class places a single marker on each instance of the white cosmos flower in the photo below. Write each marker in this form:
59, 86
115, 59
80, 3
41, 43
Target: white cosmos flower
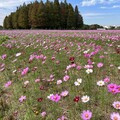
14, 71
101, 83
49, 96
85, 99
18, 54
118, 67
79, 80
76, 83
86, 51
88, 71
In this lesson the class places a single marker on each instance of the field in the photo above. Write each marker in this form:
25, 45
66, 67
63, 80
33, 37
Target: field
59, 75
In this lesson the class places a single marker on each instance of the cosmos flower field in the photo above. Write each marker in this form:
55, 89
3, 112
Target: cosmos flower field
59, 75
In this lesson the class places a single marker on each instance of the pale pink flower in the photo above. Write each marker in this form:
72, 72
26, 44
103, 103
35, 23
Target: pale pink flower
99, 65
107, 79
37, 80
22, 98
115, 116
66, 78
78, 67
59, 82
86, 115
116, 105
43, 114
8, 84
64, 93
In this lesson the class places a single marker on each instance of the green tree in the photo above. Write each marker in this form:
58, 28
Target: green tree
33, 15
64, 14
78, 19
23, 17
41, 15
57, 15
9, 22
5, 22
49, 11
71, 17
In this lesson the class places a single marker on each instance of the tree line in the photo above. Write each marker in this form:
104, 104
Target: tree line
48, 15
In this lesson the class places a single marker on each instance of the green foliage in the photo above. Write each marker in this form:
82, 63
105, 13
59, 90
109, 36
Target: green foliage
3, 39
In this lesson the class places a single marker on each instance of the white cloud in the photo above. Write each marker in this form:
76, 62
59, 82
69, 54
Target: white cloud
88, 2
114, 6
8, 6
94, 2
93, 14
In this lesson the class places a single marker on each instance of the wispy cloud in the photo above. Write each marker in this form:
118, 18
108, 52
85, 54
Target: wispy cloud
94, 2
112, 7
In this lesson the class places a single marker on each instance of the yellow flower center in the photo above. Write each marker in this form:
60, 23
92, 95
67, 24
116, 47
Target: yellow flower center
117, 105
115, 118
86, 115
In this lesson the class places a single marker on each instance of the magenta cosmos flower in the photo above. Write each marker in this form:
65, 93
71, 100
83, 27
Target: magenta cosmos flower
112, 88
86, 115
55, 97
25, 71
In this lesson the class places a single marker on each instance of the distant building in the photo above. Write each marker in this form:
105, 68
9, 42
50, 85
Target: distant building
101, 28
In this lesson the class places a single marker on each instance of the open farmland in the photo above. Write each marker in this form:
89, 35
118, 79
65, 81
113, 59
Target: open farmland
59, 75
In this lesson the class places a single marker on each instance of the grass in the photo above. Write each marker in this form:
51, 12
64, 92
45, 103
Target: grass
62, 45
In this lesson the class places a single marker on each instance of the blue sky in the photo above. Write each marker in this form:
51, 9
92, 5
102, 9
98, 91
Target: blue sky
103, 12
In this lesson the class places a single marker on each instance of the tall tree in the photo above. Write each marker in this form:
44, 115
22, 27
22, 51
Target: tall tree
49, 11
41, 15
33, 15
71, 17
78, 19
5, 22
9, 21
23, 17
57, 15
64, 14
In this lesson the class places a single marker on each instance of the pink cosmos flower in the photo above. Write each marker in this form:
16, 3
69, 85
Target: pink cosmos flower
22, 98
64, 93
73, 65
59, 82
8, 84
3, 56
116, 105
66, 78
55, 98
37, 80
115, 116
43, 114
86, 115
99, 65
62, 118
102, 56
25, 71
78, 67
107, 79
